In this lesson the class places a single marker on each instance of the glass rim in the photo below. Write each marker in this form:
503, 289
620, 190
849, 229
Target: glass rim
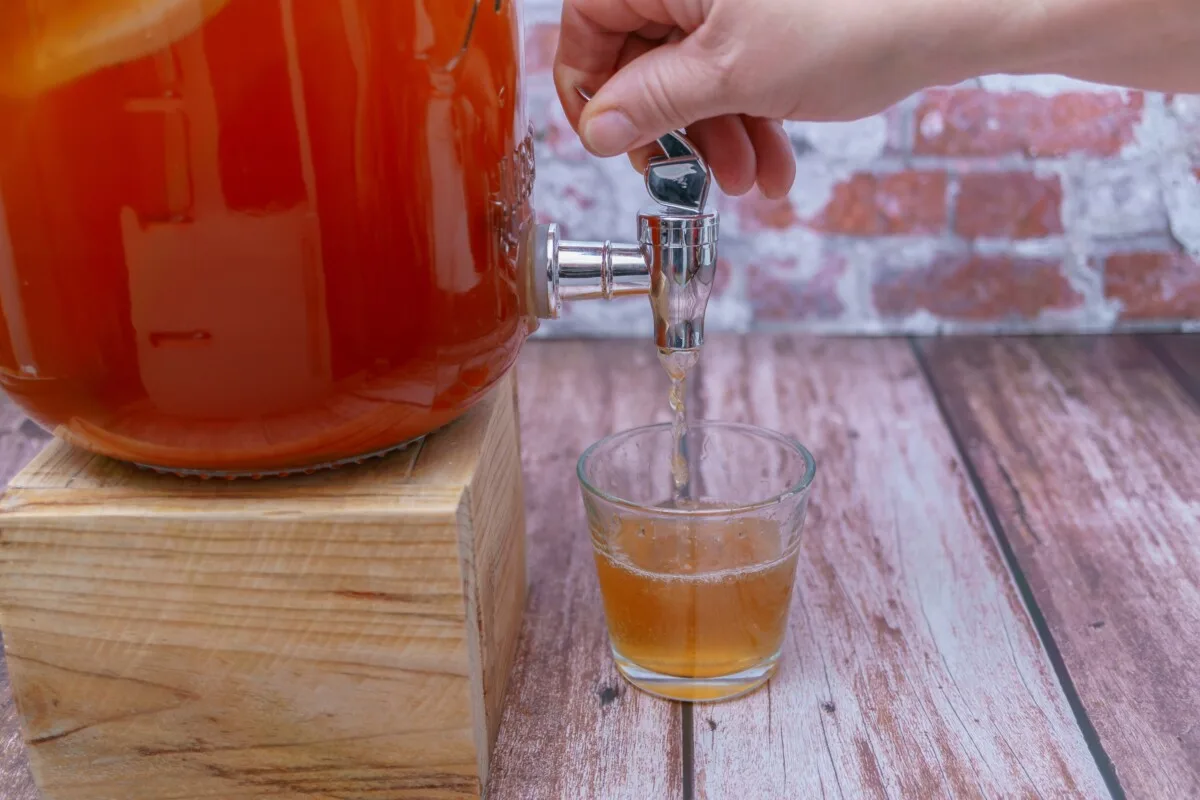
799, 487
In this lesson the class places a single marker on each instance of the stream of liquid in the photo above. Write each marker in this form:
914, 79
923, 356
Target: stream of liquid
678, 363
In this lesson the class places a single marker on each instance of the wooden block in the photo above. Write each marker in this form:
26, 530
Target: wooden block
341, 635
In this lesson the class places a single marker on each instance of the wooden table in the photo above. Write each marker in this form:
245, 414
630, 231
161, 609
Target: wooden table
999, 593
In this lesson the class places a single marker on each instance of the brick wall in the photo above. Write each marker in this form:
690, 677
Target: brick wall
1004, 204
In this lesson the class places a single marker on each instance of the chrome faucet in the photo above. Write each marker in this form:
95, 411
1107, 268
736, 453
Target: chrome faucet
674, 260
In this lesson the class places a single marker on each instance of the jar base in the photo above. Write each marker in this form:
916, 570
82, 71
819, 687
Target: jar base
231, 475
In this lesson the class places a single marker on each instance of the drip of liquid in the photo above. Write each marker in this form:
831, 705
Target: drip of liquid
678, 363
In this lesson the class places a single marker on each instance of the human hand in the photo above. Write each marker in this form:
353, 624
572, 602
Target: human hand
729, 70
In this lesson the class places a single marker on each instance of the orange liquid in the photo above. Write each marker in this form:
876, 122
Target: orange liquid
258, 235
696, 598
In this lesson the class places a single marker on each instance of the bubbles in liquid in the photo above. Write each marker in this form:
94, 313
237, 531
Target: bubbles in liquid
678, 363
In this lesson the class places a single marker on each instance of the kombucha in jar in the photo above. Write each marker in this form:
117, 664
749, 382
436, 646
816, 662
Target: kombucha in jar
258, 236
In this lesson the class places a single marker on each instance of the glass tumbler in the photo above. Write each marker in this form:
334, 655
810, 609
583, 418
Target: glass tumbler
696, 571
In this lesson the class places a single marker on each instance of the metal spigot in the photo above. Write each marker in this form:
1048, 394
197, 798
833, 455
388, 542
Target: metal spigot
674, 260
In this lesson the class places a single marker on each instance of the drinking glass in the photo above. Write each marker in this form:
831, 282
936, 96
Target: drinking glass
696, 575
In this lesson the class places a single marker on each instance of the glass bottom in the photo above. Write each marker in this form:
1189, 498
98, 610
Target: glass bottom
700, 690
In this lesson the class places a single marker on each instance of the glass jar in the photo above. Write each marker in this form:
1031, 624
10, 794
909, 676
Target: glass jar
257, 236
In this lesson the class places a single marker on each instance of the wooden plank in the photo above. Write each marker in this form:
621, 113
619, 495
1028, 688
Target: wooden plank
911, 668
1090, 453
1180, 354
20, 440
572, 727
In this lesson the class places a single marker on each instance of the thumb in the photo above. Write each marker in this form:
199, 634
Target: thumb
669, 87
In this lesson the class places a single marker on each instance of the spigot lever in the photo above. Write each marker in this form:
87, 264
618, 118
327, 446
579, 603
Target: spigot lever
677, 245
679, 178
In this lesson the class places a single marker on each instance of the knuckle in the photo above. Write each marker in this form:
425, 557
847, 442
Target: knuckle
660, 89
724, 59
728, 62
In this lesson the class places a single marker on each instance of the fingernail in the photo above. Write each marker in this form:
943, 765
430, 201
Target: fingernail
611, 133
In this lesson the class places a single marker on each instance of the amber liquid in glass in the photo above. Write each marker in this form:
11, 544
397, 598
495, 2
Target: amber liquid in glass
696, 598
258, 235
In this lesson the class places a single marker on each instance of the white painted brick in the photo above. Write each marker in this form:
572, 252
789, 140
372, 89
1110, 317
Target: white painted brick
1045, 85
1106, 200
860, 141
535, 11
1181, 190
1146, 193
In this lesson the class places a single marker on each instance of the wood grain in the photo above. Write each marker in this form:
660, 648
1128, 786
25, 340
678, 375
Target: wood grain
1180, 354
20, 440
345, 634
1090, 453
911, 668
572, 728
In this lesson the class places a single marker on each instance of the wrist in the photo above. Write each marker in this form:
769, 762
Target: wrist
950, 41
1151, 44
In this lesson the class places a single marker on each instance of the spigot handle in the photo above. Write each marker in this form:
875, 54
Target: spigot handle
675, 144
680, 178
679, 183
676, 251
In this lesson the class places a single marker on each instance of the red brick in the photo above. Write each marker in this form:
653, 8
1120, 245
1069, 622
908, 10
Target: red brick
559, 137
758, 213
975, 288
776, 297
583, 200
1153, 285
876, 205
1010, 205
975, 122
541, 43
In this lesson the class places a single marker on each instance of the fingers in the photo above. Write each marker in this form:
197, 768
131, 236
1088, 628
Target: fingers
651, 77
775, 158
742, 151
587, 55
593, 44
648, 78
726, 145
666, 88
